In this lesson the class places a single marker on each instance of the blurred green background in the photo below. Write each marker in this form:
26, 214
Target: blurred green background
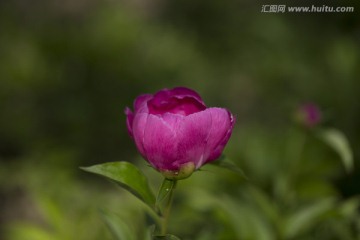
69, 68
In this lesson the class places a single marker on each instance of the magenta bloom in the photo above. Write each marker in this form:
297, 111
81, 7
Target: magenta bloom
174, 130
309, 115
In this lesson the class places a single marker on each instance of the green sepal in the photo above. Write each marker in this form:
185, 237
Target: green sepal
185, 171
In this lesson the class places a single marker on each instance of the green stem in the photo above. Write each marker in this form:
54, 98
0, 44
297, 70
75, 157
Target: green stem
163, 205
167, 209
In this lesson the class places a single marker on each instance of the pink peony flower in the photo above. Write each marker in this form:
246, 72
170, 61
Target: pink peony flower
176, 133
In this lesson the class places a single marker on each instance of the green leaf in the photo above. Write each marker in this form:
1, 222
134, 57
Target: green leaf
247, 221
224, 162
264, 203
338, 141
307, 217
349, 207
127, 176
119, 228
167, 237
19, 231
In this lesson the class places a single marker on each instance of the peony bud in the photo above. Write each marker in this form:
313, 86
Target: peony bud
308, 115
176, 133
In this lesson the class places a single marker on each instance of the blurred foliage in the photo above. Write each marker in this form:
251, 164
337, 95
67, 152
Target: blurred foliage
68, 69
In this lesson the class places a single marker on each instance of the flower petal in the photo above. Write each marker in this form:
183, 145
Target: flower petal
220, 132
193, 134
172, 120
138, 129
178, 92
140, 103
179, 100
160, 144
129, 120
182, 92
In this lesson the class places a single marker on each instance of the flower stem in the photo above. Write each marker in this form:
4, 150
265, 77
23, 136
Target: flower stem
167, 209
163, 204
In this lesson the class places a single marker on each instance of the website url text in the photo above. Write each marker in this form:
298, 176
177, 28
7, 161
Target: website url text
305, 9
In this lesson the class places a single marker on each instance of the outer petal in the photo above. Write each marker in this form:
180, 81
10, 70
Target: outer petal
140, 103
129, 120
193, 136
160, 144
220, 132
138, 129
173, 120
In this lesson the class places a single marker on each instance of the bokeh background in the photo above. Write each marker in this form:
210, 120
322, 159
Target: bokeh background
69, 68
